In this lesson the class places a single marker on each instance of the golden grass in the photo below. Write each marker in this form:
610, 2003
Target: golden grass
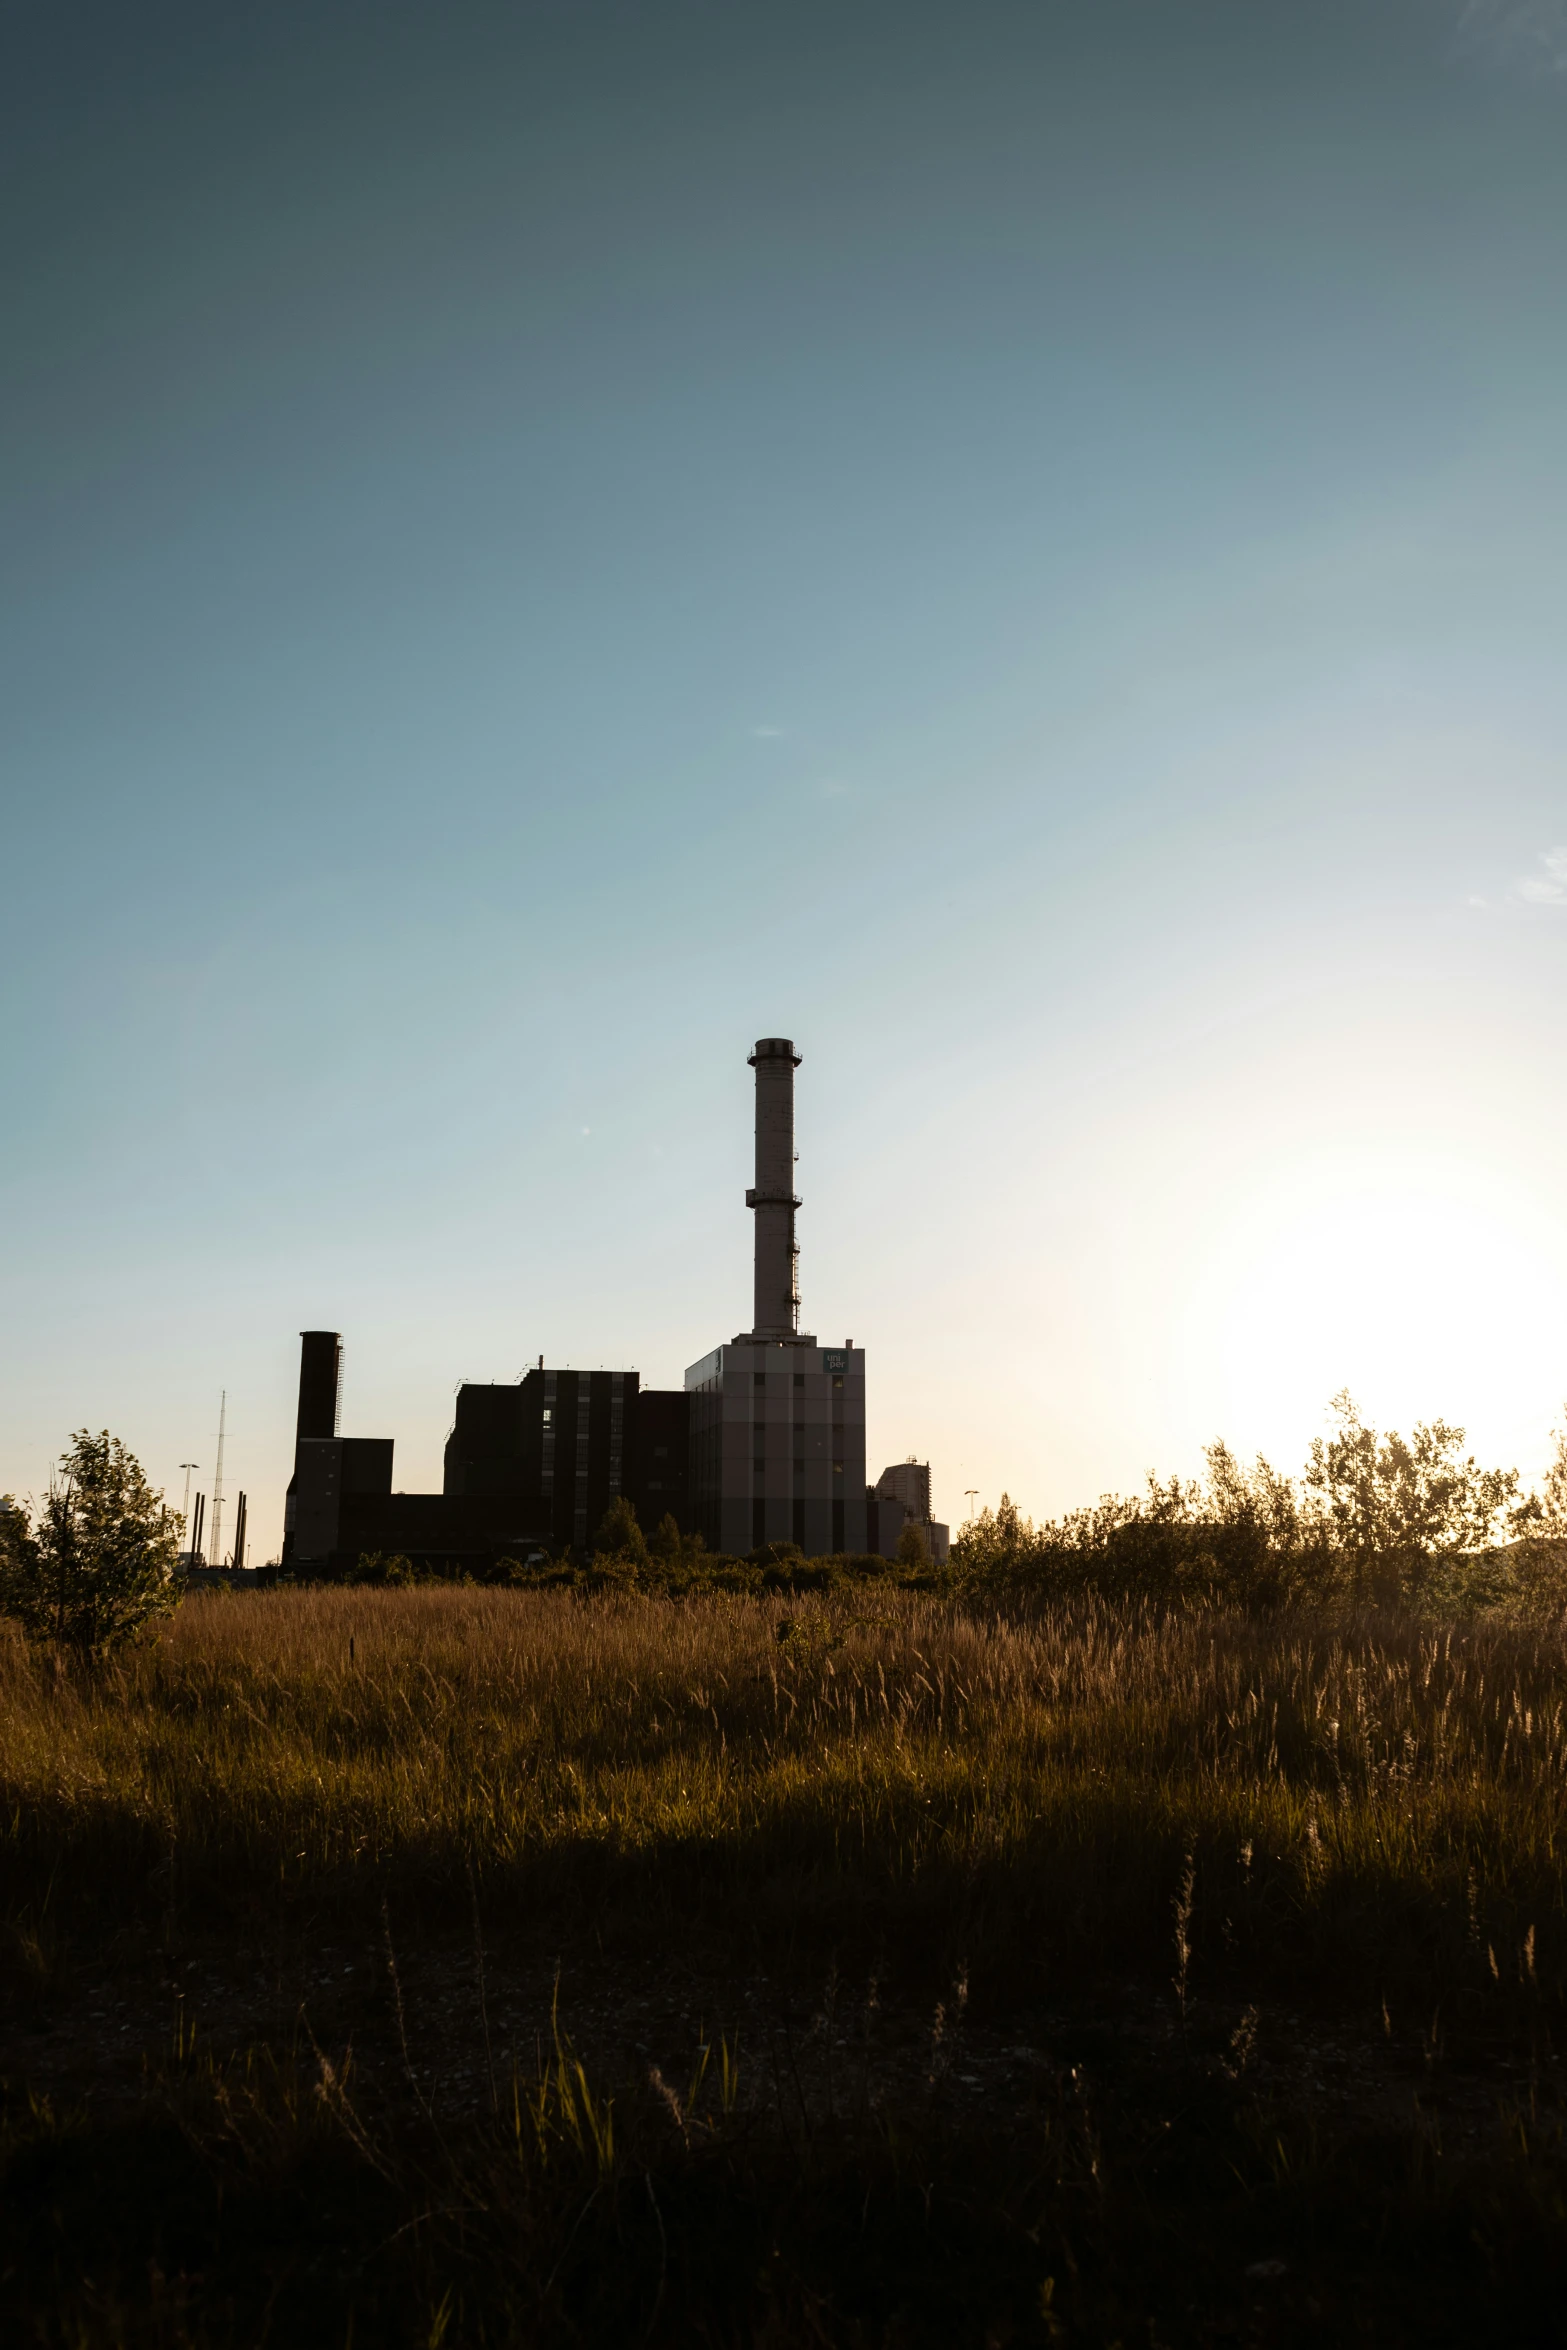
902, 1775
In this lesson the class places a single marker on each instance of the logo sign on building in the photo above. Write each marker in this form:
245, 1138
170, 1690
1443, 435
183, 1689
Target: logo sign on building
834, 1359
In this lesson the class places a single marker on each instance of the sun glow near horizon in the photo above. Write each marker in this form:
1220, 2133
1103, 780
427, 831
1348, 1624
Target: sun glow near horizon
1431, 1286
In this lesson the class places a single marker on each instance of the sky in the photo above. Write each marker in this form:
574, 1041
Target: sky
1021, 546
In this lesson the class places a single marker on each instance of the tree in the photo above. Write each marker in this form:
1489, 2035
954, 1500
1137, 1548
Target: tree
913, 1549
997, 1545
1400, 1512
665, 1540
1545, 1513
621, 1536
99, 1564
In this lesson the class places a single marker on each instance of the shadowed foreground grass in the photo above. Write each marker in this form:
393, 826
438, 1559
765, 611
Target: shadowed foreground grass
1061, 1808
248, 2204
1381, 1803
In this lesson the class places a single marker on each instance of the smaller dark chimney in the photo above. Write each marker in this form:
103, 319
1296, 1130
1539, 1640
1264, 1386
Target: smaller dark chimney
239, 1533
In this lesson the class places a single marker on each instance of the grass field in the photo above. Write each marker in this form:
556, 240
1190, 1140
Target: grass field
1059, 1976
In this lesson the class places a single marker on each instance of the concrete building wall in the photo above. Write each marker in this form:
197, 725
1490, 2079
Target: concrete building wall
908, 1482
778, 1446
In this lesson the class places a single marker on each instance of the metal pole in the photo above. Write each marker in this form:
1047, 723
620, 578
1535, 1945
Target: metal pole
217, 1487
187, 1466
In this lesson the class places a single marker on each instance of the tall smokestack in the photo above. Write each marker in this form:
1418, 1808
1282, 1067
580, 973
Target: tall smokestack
777, 1283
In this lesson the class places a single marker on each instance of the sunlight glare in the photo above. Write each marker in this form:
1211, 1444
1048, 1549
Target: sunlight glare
1431, 1288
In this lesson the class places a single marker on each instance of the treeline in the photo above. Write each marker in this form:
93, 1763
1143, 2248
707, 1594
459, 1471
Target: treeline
1372, 1519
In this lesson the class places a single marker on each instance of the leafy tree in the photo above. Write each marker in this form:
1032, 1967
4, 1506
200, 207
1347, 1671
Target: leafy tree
620, 1536
1544, 1514
375, 1566
98, 1565
997, 1544
1539, 1560
913, 1549
665, 1541
1403, 1512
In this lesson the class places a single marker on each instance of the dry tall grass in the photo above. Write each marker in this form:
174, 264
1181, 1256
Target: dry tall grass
1231, 1809
921, 1784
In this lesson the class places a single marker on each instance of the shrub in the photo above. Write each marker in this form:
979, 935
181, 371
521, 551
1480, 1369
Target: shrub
99, 1564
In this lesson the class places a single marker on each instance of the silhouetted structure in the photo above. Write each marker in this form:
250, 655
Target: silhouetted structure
908, 1484
575, 1440
765, 1443
529, 1468
778, 1422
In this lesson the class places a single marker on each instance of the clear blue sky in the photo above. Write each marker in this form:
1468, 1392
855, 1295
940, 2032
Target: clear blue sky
1022, 546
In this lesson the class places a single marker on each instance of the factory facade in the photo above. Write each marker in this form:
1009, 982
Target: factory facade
764, 1443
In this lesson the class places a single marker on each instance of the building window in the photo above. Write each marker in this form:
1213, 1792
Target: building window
758, 1378
837, 1382
837, 1468
799, 1378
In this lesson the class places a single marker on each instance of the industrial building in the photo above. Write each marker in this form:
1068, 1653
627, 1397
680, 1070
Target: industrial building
530, 1468
765, 1443
908, 1484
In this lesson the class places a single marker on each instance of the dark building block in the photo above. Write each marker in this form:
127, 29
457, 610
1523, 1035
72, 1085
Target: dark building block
320, 1400
440, 1530
330, 1471
530, 1466
574, 1440
659, 1476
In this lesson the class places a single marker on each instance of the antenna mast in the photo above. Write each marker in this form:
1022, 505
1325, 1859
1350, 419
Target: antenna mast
187, 1466
217, 1487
